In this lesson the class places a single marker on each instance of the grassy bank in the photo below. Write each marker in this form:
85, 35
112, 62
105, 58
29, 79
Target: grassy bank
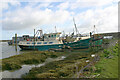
107, 66
33, 57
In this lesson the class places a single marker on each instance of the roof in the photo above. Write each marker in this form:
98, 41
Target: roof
53, 33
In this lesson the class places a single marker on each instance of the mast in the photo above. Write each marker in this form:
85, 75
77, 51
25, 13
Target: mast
73, 30
75, 26
34, 39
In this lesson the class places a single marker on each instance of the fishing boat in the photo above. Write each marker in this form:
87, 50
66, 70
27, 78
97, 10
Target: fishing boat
84, 43
44, 42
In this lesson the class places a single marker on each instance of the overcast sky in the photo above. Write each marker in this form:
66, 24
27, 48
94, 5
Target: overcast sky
22, 17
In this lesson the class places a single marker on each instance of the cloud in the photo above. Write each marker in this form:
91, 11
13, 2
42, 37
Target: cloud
31, 17
106, 20
14, 3
86, 3
44, 4
4, 4
64, 5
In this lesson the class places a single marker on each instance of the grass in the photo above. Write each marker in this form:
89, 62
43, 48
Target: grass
109, 63
60, 69
34, 57
107, 67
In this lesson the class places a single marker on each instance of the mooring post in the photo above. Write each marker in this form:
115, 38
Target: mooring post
16, 41
34, 39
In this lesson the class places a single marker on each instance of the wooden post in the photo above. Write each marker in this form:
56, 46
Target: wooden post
16, 42
34, 39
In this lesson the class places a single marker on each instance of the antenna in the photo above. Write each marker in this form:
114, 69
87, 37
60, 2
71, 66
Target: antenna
64, 33
94, 29
55, 30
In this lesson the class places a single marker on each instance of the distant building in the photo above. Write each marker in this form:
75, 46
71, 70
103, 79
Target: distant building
24, 37
18, 39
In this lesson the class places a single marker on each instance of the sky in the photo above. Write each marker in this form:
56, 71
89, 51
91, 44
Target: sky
22, 17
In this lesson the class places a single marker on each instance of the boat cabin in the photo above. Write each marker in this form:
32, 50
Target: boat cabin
52, 36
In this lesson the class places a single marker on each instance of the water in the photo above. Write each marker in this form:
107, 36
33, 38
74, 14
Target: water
18, 73
8, 50
25, 68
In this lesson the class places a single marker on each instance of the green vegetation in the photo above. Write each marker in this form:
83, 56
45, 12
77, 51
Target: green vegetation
106, 53
109, 64
61, 69
107, 67
33, 57
10, 66
106, 41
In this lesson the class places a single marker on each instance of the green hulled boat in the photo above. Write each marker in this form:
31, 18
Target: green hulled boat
84, 43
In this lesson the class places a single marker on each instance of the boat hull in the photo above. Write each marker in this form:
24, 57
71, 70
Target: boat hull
41, 47
81, 44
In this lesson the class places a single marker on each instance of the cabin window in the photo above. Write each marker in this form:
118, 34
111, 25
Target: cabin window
45, 42
28, 43
39, 43
50, 42
33, 43
51, 35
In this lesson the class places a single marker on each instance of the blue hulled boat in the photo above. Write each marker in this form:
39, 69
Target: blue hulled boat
46, 42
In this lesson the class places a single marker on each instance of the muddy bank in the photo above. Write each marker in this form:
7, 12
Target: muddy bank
25, 68
34, 57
